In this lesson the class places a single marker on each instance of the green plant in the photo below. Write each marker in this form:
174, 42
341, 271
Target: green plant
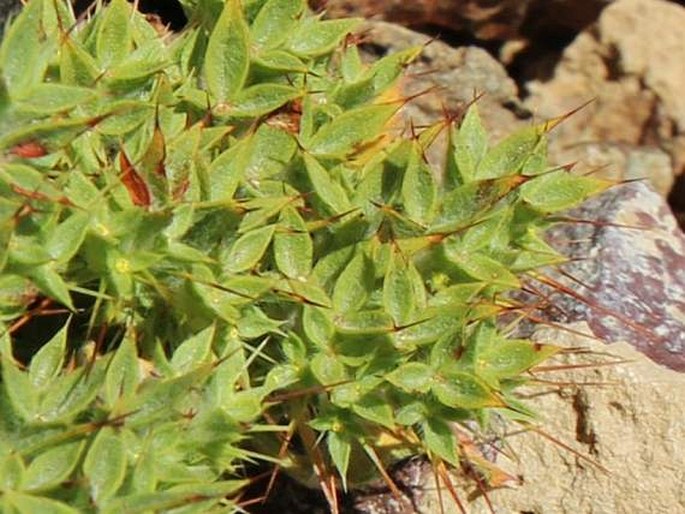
245, 249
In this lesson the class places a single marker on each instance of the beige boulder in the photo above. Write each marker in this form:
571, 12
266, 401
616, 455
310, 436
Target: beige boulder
630, 63
625, 417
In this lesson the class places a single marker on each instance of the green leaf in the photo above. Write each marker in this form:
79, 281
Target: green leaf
412, 377
365, 323
52, 467
27, 504
469, 144
313, 37
353, 285
193, 351
509, 358
52, 284
439, 439
47, 363
248, 250
261, 99
293, 247
12, 471
275, 21
105, 465
48, 98
376, 409
113, 42
280, 60
510, 155
227, 170
485, 269
255, 323
327, 369
434, 323
559, 190
464, 391
419, 190
218, 300
469, 202
76, 66
123, 374
176, 497
339, 448
349, 132
66, 239
21, 48
157, 399
331, 194
227, 59
398, 289
318, 325
70, 394
144, 62
19, 389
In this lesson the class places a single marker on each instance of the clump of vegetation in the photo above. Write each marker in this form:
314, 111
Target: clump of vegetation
241, 249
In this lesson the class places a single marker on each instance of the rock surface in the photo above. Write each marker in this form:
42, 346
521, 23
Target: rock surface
628, 419
631, 280
484, 19
636, 79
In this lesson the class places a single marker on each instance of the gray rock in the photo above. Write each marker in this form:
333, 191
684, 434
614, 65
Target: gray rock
631, 280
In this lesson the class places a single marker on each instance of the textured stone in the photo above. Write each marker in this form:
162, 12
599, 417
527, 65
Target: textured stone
631, 279
626, 418
484, 19
630, 63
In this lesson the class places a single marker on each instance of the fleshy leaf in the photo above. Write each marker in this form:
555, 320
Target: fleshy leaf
227, 58
51, 468
275, 21
293, 247
559, 190
464, 391
105, 465
312, 37
47, 363
350, 131
419, 189
413, 377
193, 351
247, 251
114, 41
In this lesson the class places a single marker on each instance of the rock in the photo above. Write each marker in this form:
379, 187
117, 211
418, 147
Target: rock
625, 418
636, 82
631, 279
484, 19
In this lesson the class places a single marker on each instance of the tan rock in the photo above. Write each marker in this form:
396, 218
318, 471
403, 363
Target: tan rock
628, 418
630, 63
